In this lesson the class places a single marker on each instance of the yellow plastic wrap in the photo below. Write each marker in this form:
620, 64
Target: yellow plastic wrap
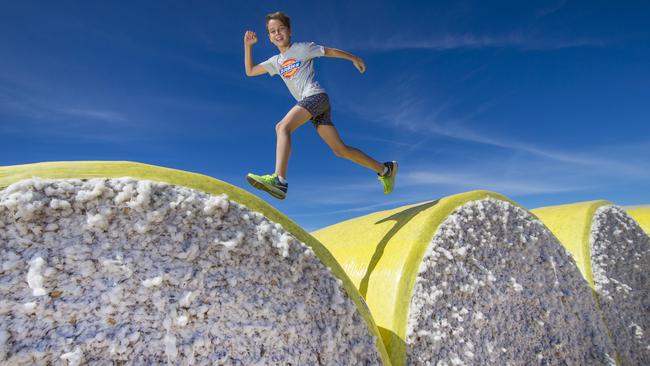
382, 253
104, 169
571, 224
642, 216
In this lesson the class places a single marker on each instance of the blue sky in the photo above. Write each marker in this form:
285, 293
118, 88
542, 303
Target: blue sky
545, 102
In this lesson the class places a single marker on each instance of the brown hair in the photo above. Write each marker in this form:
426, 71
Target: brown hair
278, 15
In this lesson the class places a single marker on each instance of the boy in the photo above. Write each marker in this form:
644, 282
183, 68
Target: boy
295, 65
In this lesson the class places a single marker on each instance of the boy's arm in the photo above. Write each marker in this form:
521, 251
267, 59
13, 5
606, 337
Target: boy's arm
250, 38
358, 62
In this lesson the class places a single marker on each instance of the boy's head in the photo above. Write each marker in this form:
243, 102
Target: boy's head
278, 25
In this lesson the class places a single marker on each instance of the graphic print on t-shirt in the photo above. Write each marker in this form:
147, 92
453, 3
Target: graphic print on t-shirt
289, 67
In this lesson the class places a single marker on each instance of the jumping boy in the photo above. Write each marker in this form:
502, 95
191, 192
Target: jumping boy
295, 65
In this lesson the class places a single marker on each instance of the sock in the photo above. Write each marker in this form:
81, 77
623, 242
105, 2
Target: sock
385, 171
282, 180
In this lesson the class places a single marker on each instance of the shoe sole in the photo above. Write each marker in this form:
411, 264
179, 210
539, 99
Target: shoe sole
392, 178
262, 187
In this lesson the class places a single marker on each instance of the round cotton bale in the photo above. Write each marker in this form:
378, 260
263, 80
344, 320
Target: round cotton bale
140, 272
620, 261
496, 287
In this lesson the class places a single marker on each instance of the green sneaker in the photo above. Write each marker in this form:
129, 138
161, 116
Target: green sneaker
269, 183
388, 180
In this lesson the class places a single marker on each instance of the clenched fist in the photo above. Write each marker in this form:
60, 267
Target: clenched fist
250, 38
360, 65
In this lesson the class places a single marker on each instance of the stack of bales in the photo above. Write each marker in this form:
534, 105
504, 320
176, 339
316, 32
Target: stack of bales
131, 263
613, 254
165, 266
470, 279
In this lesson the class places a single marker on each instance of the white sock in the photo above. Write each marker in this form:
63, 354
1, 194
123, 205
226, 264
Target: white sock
282, 180
385, 171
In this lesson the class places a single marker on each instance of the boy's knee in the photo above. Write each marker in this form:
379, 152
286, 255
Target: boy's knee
281, 128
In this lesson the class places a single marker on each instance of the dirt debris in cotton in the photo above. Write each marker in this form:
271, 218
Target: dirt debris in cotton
496, 288
137, 272
620, 260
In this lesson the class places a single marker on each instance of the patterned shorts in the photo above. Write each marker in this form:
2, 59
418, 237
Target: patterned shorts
319, 107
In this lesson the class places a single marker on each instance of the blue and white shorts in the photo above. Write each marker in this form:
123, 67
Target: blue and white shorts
318, 105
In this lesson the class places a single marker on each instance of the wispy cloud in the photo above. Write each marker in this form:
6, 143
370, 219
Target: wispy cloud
408, 110
102, 115
489, 181
32, 109
45, 109
443, 42
20, 95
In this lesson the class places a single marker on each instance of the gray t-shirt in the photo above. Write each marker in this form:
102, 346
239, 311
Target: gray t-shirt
296, 67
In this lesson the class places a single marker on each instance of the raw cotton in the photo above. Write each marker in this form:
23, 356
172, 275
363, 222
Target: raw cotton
620, 260
137, 272
497, 288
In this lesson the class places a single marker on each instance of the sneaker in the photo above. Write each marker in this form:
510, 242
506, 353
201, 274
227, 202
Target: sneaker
388, 179
269, 183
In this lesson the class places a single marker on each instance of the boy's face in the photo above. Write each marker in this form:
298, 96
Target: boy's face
279, 34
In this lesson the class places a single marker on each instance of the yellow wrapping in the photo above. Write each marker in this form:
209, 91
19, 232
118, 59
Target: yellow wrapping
571, 224
642, 216
382, 253
105, 169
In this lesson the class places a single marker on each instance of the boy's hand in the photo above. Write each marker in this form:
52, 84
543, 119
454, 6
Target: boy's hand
358, 63
250, 38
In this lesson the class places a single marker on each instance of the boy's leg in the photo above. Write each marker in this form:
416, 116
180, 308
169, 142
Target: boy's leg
295, 118
329, 134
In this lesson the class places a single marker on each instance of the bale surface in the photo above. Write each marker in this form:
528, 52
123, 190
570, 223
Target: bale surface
620, 260
140, 272
496, 287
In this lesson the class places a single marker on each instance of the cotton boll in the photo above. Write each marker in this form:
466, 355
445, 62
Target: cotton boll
98, 221
29, 211
152, 282
74, 358
182, 320
57, 204
29, 307
17, 200
143, 198
34, 276
284, 244
229, 244
217, 205
97, 188
127, 192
